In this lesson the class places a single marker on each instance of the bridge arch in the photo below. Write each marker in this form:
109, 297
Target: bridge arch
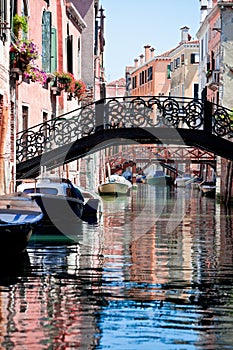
142, 119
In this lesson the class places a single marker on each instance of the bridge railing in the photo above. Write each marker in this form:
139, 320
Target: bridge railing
124, 112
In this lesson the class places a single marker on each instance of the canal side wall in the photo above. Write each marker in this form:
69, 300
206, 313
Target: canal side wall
225, 181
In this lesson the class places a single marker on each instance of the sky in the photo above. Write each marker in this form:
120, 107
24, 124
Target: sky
132, 24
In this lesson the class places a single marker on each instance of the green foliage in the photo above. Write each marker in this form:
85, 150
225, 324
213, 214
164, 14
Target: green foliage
19, 22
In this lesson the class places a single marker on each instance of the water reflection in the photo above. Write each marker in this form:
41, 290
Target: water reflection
155, 273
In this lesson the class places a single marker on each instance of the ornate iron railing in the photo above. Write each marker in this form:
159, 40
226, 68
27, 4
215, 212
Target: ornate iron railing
124, 112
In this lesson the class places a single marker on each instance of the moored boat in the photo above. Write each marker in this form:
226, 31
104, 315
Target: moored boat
183, 181
62, 202
19, 215
115, 185
57, 198
158, 177
208, 188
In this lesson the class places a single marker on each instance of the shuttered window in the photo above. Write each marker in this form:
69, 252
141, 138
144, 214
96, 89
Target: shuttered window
46, 41
53, 50
69, 44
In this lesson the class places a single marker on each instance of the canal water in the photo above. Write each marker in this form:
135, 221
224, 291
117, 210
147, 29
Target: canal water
155, 273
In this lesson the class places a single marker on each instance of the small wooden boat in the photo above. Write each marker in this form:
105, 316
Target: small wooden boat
115, 185
19, 215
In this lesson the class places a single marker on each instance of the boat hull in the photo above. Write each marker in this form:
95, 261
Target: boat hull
14, 238
59, 209
162, 181
183, 182
114, 189
19, 215
208, 191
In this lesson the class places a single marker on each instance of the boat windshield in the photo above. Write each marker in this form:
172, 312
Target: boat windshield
44, 190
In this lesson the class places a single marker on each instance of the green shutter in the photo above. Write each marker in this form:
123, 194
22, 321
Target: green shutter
46, 41
53, 50
168, 71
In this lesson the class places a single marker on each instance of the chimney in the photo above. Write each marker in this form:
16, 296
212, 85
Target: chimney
141, 59
147, 52
184, 34
152, 52
136, 63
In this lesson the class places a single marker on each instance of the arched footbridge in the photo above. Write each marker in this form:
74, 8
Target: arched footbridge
125, 120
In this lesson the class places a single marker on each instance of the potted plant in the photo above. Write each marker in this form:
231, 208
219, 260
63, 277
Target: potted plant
63, 80
19, 23
79, 89
23, 52
35, 74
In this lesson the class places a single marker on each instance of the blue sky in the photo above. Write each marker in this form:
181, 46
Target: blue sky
132, 24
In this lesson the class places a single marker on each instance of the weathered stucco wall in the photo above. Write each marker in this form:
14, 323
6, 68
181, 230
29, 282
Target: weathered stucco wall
227, 62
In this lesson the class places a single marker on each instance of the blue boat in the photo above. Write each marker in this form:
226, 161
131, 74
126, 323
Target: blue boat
19, 215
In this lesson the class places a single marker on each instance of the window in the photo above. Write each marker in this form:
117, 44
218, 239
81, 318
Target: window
168, 71
194, 58
24, 117
53, 50
202, 49
149, 74
3, 18
46, 41
134, 85
143, 77
182, 59
212, 61
69, 45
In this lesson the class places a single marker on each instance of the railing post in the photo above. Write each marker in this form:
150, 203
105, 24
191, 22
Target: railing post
99, 114
208, 110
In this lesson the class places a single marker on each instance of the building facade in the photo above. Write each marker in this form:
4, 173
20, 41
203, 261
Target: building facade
6, 127
174, 72
216, 71
149, 77
51, 53
184, 61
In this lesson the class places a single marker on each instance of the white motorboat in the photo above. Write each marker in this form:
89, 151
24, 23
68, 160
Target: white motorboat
183, 181
115, 185
59, 201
